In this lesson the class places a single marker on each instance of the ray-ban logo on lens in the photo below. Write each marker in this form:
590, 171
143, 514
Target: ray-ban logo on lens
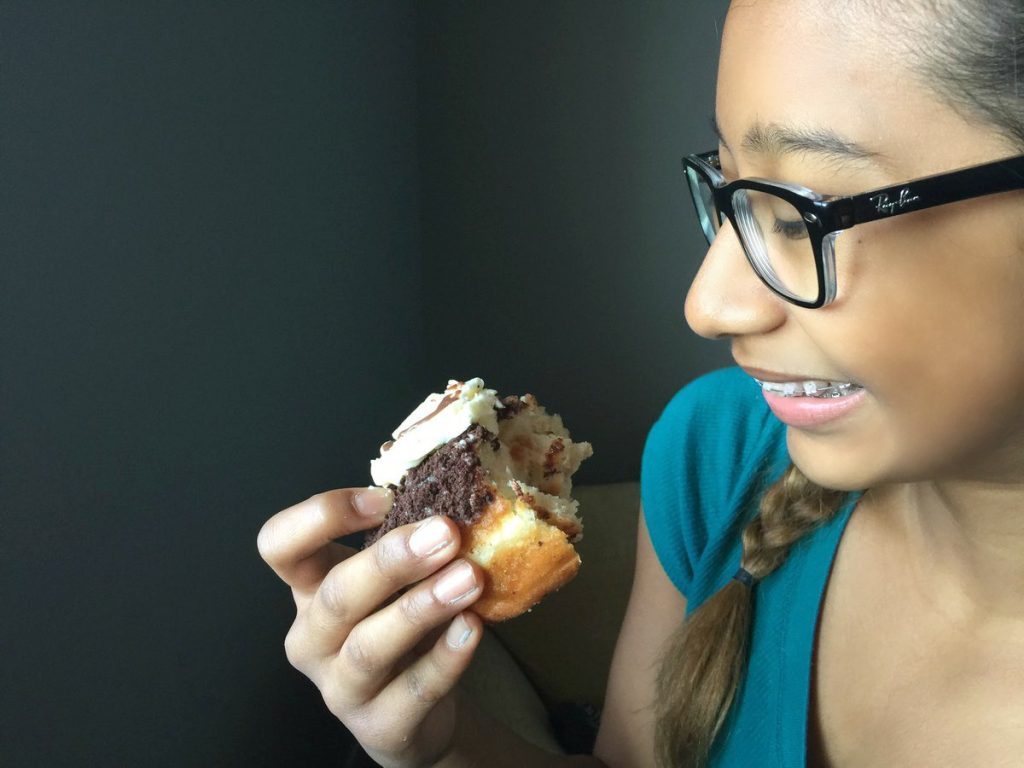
888, 207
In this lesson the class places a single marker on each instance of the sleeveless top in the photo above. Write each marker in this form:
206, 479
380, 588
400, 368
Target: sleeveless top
714, 450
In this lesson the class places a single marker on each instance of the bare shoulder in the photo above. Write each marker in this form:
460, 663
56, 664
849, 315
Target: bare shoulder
626, 736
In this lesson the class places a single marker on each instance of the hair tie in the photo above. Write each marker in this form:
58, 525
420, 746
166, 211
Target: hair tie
745, 577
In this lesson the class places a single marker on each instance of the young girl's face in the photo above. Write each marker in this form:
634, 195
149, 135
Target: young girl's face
929, 314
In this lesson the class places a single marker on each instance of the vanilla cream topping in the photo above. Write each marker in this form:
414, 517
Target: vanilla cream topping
433, 423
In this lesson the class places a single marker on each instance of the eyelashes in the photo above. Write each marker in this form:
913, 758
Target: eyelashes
791, 230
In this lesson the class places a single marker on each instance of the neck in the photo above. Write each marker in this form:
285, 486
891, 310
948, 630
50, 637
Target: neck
964, 545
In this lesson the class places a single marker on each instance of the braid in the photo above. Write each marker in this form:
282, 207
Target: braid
704, 659
789, 510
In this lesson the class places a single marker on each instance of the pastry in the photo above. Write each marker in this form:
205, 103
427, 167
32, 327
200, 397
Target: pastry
501, 469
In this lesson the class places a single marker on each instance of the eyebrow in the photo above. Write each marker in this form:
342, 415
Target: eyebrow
775, 139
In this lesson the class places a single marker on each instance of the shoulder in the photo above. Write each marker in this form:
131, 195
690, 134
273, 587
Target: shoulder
714, 443
710, 433
727, 399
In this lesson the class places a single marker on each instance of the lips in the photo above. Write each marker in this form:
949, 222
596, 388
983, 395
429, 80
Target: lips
808, 401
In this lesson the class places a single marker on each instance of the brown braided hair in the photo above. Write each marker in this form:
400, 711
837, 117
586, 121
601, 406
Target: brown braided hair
705, 657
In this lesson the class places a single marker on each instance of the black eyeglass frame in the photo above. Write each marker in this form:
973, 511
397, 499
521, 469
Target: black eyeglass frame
825, 217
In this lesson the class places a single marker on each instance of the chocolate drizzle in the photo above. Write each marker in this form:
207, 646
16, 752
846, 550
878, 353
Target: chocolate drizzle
444, 403
450, 481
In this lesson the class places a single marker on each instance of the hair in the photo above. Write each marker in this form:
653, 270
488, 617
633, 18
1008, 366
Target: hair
969, 53
971, 56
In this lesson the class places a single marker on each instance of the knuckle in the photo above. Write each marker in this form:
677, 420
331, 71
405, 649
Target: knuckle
267, 541
317, 506
294, 646
333, 596
386, 556
336, 696
420, 689
414, 608
357, 656
374, 729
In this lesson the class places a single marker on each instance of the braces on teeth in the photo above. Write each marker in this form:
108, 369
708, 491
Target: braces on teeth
809, 388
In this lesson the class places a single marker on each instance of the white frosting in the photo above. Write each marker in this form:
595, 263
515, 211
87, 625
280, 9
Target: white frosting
433, 423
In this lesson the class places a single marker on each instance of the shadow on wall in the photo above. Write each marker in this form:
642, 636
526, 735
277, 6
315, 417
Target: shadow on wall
556, 227
243, 243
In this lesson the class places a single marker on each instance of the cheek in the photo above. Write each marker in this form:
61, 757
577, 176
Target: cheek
930, 318
927, 292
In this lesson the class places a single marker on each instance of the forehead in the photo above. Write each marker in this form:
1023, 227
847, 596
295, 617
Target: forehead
790, 62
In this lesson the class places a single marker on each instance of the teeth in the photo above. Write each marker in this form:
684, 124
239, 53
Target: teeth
809, 388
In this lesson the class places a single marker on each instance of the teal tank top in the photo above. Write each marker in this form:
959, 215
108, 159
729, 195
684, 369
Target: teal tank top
714, 450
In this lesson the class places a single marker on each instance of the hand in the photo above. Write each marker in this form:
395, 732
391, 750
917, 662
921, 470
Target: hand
382, 635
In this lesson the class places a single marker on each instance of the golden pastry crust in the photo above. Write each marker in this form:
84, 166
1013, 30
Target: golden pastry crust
522, 557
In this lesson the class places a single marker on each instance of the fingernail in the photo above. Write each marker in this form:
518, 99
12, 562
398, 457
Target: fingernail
458, 583
373, 501
458, 633
431, 537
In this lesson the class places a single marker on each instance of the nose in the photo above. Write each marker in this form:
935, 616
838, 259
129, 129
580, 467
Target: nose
727, 298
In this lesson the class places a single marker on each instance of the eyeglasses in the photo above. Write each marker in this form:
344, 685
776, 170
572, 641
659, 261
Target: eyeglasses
788, 232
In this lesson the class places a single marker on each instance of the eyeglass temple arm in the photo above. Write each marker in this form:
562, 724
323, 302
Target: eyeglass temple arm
1001, 176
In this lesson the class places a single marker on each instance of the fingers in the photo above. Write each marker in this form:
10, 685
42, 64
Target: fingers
358, 587
371, 652
385, 723
413, 693
297, 542
383, 633
368, 659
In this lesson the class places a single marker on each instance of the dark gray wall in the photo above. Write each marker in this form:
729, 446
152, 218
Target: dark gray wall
558, 231
210, 268
238, 242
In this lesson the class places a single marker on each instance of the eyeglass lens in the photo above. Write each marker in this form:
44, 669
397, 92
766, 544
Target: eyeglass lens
710, 220
772, 232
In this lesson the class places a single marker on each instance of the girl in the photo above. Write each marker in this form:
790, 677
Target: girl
840, 517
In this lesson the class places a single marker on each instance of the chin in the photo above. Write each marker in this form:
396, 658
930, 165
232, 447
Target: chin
830, 466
